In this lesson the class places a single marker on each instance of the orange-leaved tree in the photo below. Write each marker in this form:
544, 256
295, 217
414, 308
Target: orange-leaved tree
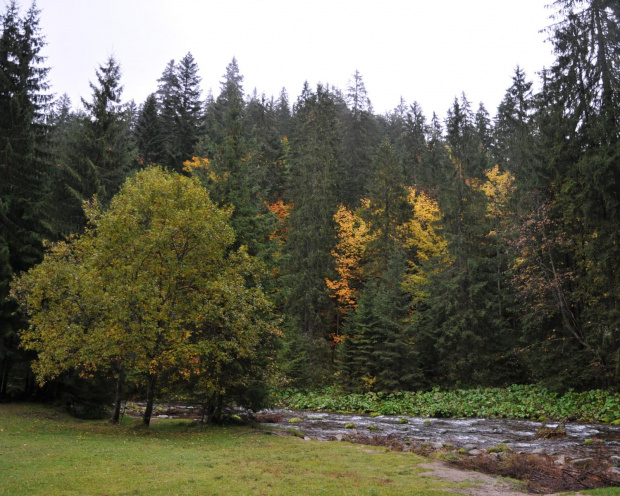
353, 236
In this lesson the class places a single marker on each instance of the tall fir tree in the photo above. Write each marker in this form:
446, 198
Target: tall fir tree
315, 161
100, 156
360, 137
461, 329
579, 121
181, 111
24, 167
149, 133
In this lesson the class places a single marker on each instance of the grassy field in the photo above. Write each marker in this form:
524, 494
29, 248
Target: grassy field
44, 451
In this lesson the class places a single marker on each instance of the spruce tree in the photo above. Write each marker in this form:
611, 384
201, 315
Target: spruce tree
460, 327
379, 352
359, 140
579, 117
149, 133
24, 167
181, 111
100, 155
315, 161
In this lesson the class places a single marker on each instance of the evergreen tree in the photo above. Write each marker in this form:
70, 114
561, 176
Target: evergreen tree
379, 352
181, 111
267, 148
515, 144
149, 133
387, 208
24, 167
359, 141
411, 147
579, 119
315, 161
283, 114
100, 157
462, 331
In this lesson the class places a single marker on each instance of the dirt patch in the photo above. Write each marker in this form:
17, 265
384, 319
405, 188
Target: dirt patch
543, 474
482, 484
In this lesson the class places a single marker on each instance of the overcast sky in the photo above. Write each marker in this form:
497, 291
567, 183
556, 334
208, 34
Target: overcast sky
427, 51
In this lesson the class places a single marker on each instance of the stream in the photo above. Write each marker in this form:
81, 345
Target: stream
582, 440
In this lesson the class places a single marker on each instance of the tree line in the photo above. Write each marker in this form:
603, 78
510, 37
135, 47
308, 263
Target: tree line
399, 252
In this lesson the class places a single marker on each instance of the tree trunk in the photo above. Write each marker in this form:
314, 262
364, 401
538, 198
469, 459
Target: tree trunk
4, 377
150, 394
118, 396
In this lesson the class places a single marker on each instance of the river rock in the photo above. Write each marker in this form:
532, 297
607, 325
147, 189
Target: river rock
469, 447
475, 452
615, 461
582, 462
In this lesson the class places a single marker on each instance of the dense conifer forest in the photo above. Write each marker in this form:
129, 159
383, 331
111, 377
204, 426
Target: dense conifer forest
389, 252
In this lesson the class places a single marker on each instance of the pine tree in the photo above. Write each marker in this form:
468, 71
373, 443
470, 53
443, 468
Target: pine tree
149, 133
100, 155
180, 109
462, 331
315, 146
579, 118
24, 166
359, 141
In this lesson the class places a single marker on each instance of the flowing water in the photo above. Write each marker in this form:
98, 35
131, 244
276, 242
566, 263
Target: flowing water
582, 440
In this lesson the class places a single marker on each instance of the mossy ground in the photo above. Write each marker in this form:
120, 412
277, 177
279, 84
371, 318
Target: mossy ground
44, 451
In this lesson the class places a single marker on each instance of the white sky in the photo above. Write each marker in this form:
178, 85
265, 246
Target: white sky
424, 50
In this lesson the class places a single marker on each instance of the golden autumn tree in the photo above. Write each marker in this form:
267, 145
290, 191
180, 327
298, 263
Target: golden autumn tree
353, 236
422, 238
154, 288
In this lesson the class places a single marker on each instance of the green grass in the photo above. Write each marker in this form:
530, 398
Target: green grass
44, 451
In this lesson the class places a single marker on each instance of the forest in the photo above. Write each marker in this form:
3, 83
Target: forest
214, 247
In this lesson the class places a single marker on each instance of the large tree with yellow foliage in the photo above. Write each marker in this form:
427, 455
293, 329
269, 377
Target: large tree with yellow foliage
151, 289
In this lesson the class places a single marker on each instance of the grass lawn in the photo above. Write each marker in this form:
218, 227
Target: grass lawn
44, 451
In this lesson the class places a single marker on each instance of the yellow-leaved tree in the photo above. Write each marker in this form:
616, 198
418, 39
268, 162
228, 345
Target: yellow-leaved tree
152, 289
353, 236
422, 238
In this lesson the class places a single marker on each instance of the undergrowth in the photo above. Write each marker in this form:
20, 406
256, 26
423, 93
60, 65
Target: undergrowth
517, 402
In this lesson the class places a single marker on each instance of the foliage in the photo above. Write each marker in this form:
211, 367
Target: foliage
150, 288
517, 402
